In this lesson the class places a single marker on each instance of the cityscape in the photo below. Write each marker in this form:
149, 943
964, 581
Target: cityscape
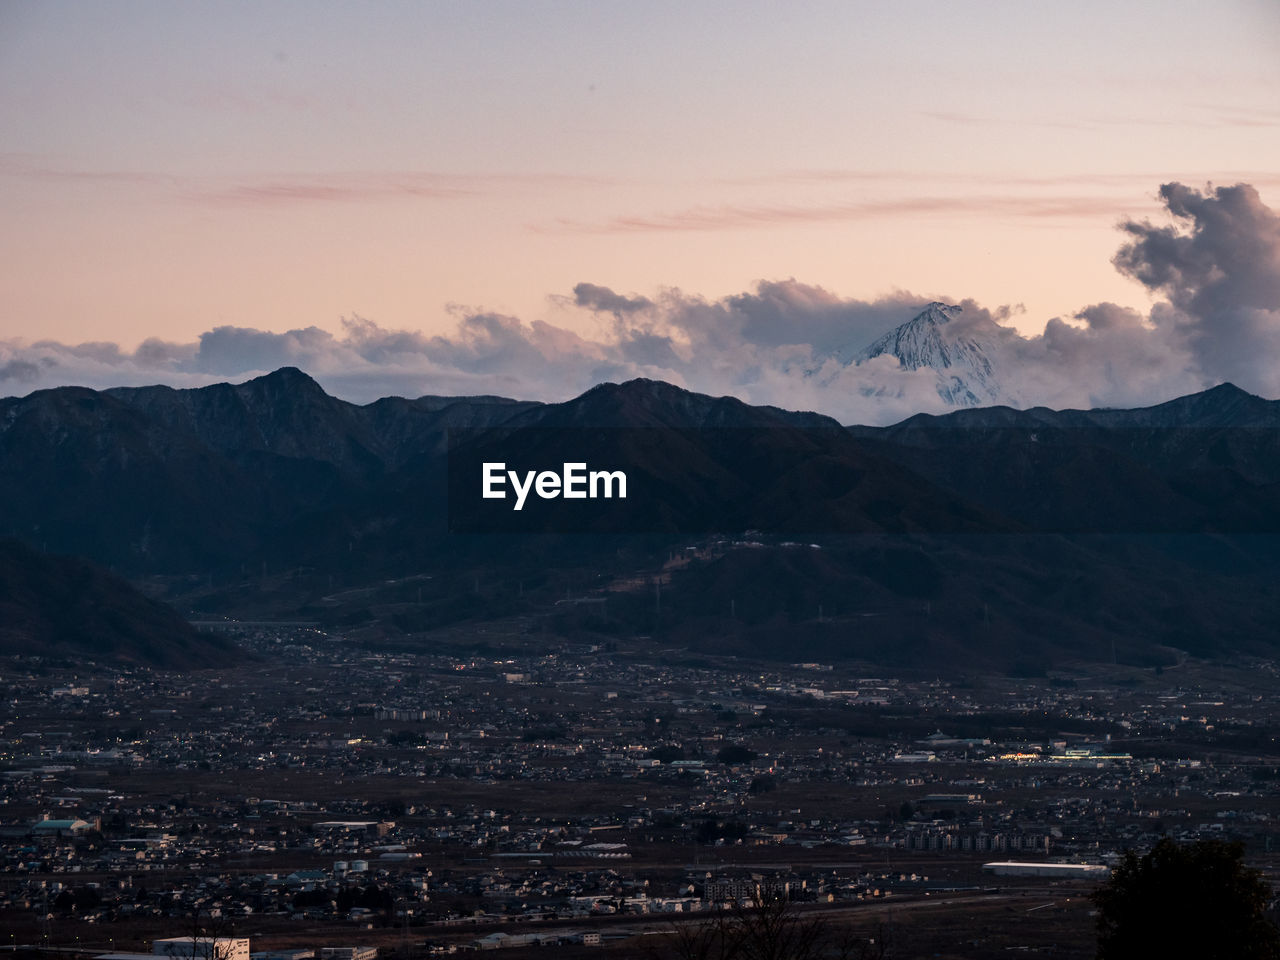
687, 480
317, 795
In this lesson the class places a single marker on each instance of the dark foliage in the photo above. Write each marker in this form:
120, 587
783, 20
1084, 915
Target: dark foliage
735, 754
773, 930
65, 605
765, 783
1195, 901
713, 831
666, 753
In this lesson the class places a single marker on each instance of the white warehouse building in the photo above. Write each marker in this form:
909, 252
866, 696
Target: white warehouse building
1061, 871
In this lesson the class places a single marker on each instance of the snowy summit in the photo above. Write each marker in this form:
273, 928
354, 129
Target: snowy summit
961, 360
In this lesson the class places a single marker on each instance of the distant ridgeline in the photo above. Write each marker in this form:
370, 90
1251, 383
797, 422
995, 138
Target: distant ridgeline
988, 536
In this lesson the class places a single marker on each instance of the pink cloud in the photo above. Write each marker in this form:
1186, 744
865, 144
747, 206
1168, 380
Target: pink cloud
740, 216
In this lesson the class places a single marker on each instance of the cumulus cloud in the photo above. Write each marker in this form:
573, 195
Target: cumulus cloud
1219, 267
1215, 266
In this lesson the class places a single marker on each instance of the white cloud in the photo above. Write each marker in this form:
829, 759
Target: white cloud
784, 343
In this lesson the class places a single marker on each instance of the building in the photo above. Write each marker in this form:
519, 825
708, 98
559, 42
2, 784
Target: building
378, 828
746, 891
65, 827
202, 948
1060, 871
348, 953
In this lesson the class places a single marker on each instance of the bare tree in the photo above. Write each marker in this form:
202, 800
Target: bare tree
712, 938
207, 935
850, 946
773, 929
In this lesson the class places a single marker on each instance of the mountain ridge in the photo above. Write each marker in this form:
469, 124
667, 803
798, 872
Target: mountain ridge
1223, 405
269, 498
58, 606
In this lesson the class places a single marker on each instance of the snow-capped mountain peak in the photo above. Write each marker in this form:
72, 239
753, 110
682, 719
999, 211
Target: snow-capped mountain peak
961, 360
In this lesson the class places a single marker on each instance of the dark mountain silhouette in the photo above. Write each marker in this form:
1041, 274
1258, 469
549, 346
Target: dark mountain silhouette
287, 414
68, 607
1209, 462
1225, 405
157, 480
654, 403
988, 538
703, 464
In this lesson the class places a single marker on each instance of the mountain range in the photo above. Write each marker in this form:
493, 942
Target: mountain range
990, 538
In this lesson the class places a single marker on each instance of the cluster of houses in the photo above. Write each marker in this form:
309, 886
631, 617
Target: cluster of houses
325, 782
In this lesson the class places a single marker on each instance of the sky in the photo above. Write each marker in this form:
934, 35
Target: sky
437, 197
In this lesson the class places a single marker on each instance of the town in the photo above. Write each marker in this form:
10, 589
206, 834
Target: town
319, 795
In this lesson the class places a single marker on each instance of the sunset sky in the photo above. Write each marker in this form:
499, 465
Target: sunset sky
171, 169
